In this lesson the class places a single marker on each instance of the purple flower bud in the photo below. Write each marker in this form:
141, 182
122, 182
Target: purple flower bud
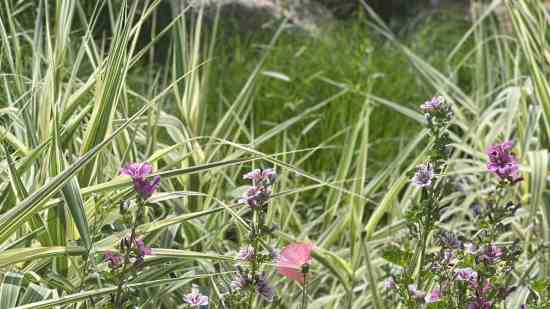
196, 299
423, 176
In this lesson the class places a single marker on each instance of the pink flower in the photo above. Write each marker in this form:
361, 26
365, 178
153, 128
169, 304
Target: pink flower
114, 259
434, 296
142, 249
293, 259
139, 171
502, 162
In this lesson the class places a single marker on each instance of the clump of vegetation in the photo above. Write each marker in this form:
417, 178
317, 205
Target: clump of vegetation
123, 158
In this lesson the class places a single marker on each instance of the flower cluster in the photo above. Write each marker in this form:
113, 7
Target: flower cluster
258, 195
467, 271
503, 163
139, 173
135, 251
436, 109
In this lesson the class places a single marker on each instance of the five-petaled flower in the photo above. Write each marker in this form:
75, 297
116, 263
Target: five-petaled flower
503, 163
139, 172
196, 299
294, 261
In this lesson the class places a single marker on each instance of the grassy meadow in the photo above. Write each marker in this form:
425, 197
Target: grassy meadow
86, 88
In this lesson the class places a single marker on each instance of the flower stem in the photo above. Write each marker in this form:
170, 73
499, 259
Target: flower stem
304, 293
118, 297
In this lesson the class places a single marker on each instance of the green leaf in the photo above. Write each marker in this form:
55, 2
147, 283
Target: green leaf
9, 289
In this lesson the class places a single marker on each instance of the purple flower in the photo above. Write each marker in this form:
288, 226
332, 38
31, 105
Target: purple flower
196, 299
241, 282
268, 175
435, 104
448, 240
470, 248
418, 295
424, 175
491, 253
114, 259
502, 162
264, 289
389, 284
252, 197
481, 301
141, 248
434, 296
139, 171
246, 254
466, 274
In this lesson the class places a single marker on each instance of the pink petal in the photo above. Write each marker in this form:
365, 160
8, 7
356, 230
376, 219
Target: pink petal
291, 273
297, 253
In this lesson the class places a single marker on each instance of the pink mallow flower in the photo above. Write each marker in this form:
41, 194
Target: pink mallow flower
139, 171
502, 162
294, 261
196, 299
114, 259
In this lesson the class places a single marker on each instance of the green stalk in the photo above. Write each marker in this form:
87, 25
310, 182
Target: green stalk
118, 297
304, 292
